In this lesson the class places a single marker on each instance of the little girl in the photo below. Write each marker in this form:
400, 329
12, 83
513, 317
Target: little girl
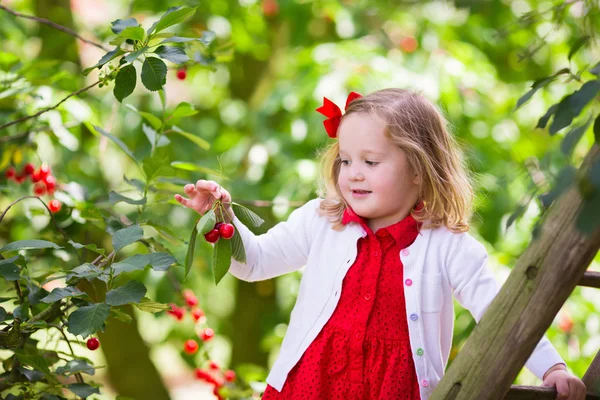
384, 250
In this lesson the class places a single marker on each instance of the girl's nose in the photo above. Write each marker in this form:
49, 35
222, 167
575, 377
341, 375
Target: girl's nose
356, 175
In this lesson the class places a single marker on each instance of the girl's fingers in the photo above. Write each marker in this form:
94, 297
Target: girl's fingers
190, 190
182, 200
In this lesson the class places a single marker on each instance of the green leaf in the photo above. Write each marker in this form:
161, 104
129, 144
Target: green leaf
152, 119
133, 32
580, 98
35, 361
207, 222
182, 110
221, 259
207, 37
29, 245
538, 84
125, 82
87, 271
127, 236
247, 216
597, 130
76, 366
157, 261
203, 144
239, 253
117, 141
157, 166
115, 198
88, 320
174, 54
136, 183
116, 52
22, 311
151, 135
83, 389
91, 247
10, 272
544, 120
572, 138
61, 293
154, 72
121, 316
187, 166
150, 306
119, 25
578, 45
131, 57
596, 70
563, 116
131, 292
177, 39
189, 258
173, 16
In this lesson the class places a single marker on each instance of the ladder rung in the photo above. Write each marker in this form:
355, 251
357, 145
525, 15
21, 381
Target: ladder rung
591, 279
538, 393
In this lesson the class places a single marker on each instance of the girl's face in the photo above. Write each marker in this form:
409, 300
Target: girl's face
374, 176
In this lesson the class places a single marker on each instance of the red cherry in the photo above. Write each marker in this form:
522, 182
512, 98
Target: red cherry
19, 178
566, 324
197, 313
226, 231
176, 312
190, 347
409, 44
218, 225
54, 205
207, 334
44, 171
28, 169
93, 343
190, 298
181, 74
213, 365
10, 173
50, 182
36, 177
270, 8
207, 377
212, 236
230, 375
39, 189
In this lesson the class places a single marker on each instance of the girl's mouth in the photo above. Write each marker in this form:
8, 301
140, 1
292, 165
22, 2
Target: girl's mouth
360, 193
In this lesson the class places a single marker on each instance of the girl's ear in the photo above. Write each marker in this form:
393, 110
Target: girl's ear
417, 180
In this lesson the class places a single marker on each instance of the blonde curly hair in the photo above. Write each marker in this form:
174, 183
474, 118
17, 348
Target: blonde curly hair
418, 128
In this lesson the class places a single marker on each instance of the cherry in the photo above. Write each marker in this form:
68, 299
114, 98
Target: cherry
44, 171
190, 298
50, 182
93, 343
19, 178
226, 231
207, 334
213, 365
181, 74
212, 236
176, 312
10, 173
36, 176
39, 189
218, 225
28, 169
409, 44
190, 347
197, 314
54, 206
270, 8
230, 375
206, 376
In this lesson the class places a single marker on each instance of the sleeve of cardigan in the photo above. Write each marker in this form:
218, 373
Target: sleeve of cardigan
475, 286
283, 249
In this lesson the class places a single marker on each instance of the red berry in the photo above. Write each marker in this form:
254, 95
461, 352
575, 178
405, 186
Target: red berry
39, 189
197, 313
207, 334
54, 205
190, 298
218, 225
50, 182
230, 375
213, 365
226, 231
10, 173
270, 8
28, 169
409, 44
181, 74
44, 171
207, 377
19, 178
36, 177
93, 343
212, 236
176, 312
190, 347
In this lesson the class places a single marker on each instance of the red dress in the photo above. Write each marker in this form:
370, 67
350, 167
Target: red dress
363, 351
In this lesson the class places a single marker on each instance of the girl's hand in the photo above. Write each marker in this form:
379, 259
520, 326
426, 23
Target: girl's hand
203, 195
568, 387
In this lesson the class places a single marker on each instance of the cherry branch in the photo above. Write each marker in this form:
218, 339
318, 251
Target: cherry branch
49, 108
54, 25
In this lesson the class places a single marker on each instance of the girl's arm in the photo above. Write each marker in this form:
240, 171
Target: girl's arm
283, 249
475, 286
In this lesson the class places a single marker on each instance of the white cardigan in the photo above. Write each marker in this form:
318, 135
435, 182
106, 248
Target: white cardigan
437, 264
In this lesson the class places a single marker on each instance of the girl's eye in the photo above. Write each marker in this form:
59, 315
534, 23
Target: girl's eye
371, 163
345, 162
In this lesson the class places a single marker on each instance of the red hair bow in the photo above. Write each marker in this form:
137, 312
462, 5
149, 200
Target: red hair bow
334, 114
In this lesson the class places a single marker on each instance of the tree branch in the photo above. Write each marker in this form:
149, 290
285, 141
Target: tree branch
49, 108
54, 25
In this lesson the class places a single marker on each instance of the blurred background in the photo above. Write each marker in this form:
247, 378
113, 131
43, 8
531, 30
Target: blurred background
275, 60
